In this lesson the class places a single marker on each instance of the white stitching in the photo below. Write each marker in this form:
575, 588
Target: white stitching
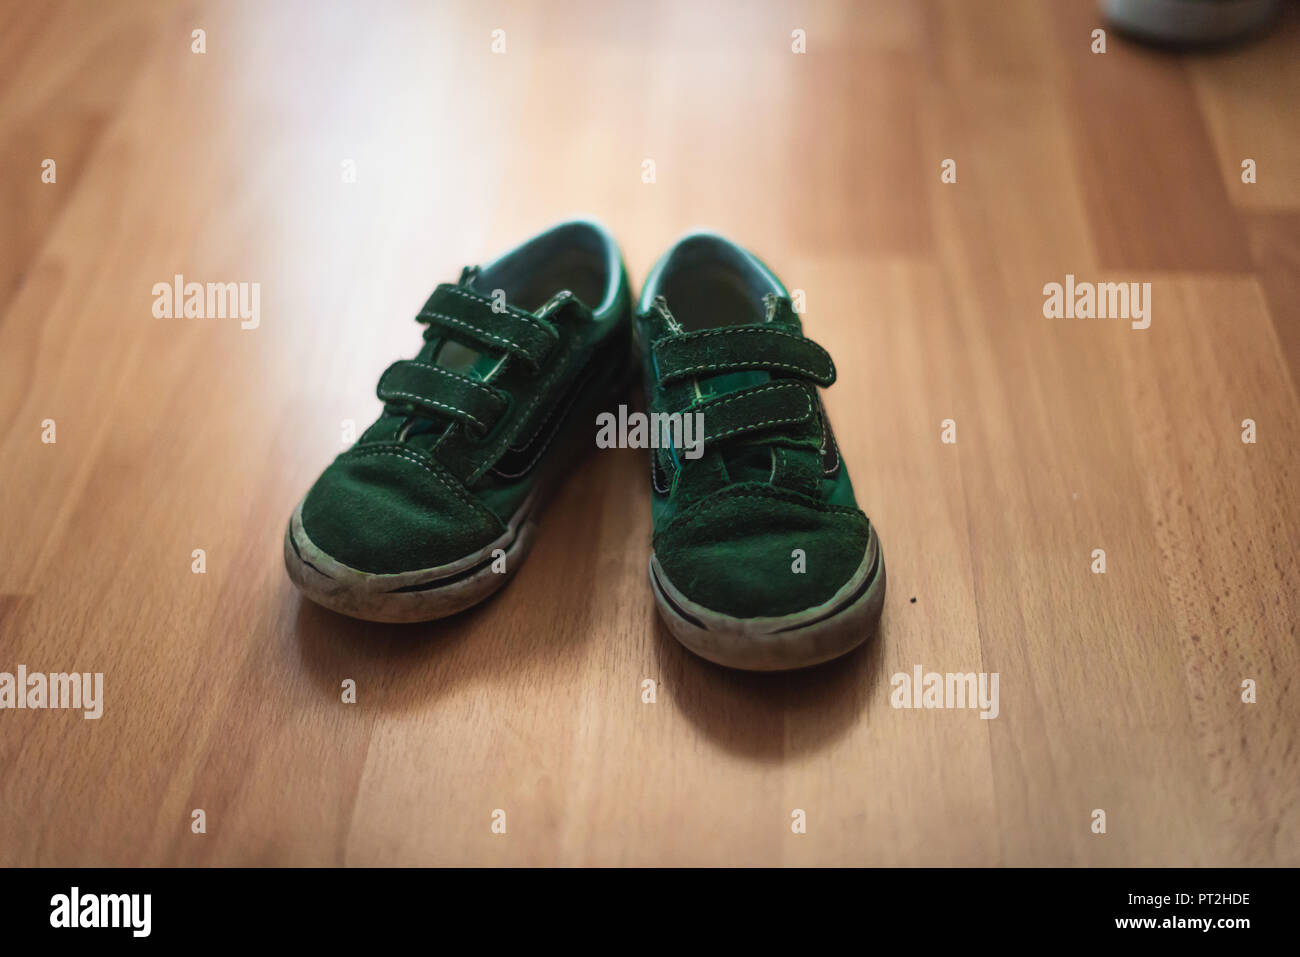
654, 474
443, 405
511, 345
739, 397
481, 387
454, 375
422, 399
735, 332
483, 300
403, 454
753, 425
718, 367
508, 343
661, 304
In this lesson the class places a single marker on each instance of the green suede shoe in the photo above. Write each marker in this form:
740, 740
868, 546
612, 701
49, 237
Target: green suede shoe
436, 506
762, 558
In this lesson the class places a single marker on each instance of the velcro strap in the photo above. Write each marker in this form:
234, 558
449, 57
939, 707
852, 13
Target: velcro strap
437, 390
467, 316
739, 348
755, 409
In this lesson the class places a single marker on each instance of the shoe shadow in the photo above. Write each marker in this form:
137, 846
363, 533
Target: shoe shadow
772, 716
402, 663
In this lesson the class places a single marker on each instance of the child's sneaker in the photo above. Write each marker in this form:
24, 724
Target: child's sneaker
762, 558
435, 506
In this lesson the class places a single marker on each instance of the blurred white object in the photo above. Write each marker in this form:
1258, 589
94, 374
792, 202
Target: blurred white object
1188, 21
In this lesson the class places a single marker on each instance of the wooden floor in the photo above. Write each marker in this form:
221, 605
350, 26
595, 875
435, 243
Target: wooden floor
222, 691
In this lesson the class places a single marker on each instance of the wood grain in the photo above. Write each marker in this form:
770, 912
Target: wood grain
1119, 692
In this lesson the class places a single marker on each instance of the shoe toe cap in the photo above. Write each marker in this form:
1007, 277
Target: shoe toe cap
761, 555
386, 513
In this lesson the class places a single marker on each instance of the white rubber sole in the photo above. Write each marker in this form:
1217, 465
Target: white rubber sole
421, 595
782, 643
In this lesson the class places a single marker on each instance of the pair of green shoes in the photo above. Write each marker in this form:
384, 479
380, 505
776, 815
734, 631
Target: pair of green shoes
762, 559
